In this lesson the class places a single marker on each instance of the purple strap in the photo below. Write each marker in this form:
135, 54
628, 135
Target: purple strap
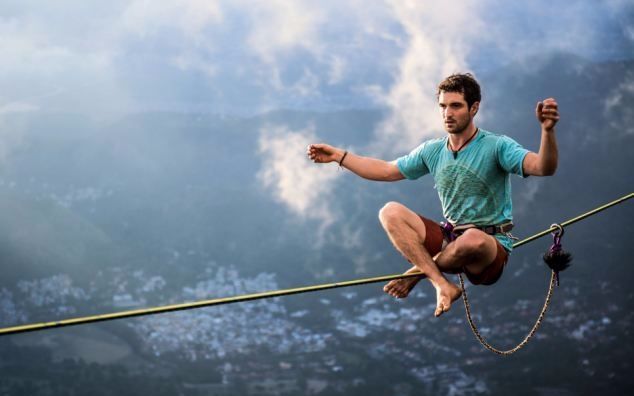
556, 247
447, 229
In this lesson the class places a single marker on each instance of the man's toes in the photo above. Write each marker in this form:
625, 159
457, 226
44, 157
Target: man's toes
397, 288
440, 310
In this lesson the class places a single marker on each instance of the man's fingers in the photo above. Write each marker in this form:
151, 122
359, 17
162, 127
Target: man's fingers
549, 109
321, 152
315, 152
546, 108
547, 103
550, 102
539, 107
547, 113
312, 153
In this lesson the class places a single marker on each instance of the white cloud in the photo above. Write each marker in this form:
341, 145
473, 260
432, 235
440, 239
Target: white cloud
17, 107
434, 49
267, 34
186, 62
46, 69
279, 26
28, 51
304, 187
307, 85
190, 17
337, 70
620, 116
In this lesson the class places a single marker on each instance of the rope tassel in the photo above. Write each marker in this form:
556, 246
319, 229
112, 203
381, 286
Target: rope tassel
556, 258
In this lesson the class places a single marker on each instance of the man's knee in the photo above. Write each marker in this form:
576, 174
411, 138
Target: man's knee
391, 212
475, 243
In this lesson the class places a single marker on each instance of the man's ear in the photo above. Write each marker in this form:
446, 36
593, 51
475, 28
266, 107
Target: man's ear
474, 108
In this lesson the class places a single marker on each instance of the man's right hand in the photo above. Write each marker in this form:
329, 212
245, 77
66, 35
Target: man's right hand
322, 153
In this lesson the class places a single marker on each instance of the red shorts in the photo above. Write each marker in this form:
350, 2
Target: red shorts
434, 241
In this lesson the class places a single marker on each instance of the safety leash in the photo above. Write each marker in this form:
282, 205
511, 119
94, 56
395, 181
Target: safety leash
556, 259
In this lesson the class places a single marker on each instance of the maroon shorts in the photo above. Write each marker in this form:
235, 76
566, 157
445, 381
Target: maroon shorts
434, 241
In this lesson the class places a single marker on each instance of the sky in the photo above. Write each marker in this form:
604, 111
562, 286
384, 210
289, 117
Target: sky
240, 57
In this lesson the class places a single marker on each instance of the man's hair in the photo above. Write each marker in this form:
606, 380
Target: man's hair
466, 84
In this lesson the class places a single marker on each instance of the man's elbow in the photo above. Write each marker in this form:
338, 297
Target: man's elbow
392, 177
540, 171
549, 171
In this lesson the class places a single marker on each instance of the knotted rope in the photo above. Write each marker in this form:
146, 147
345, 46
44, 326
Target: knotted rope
556, 254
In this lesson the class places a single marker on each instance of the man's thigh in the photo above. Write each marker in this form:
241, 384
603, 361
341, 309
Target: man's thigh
434, 238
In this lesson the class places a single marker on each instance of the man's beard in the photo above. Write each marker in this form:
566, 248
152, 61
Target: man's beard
460, 127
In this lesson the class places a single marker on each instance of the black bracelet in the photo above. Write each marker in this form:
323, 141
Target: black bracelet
343, 157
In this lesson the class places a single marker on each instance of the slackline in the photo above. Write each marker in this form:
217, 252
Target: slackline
270, 294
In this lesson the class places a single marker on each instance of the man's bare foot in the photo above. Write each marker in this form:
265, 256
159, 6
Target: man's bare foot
446, 295
400, 288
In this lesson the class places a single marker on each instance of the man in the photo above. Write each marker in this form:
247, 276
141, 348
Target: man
471, 169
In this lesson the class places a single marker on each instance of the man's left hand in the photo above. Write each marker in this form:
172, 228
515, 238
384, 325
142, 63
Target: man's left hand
547, 113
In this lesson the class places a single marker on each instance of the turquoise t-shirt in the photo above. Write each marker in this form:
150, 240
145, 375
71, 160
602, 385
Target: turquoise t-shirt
476, 186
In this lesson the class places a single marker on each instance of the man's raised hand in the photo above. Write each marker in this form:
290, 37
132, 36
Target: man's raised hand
547, 113
323, 153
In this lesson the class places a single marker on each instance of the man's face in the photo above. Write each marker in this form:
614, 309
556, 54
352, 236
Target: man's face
455, 112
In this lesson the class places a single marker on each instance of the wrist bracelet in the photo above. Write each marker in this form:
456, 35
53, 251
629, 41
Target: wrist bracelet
343, 157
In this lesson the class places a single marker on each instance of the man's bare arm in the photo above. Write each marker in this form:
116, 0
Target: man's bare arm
544, 163
366, 167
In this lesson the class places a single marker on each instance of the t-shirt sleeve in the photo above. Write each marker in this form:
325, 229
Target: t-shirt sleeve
412, 165
511, 155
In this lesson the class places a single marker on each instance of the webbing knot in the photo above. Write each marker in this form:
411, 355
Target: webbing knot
556, 258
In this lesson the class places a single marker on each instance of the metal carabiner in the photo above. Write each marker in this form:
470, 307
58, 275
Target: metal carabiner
559, 232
